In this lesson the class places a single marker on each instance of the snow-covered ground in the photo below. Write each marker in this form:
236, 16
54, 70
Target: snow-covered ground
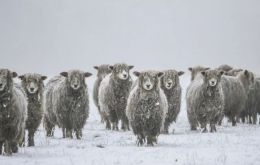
230, 145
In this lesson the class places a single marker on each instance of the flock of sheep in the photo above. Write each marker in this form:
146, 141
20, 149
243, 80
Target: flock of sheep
148, 105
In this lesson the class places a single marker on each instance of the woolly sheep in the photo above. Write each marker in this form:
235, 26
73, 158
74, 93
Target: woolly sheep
205, 100
66, 103
170, 84
13, 112
103, 70
147, 107
236, 93
33, 86
225, 68
114, 91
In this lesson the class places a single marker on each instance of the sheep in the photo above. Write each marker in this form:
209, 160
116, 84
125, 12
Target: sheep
170, 84
257, 95
224, 68
236, 93
205, 100
249, 112
103, 70
13, 113
114, 91
33, 86
66, 103
196, 71
233, 72
147, 107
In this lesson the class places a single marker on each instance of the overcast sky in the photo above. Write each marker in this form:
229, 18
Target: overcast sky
49, 36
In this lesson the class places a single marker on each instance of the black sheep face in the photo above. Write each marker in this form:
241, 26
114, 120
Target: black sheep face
76, 79
121, 71
103, 70
171, 78
6, 78
212, 77
148, 80
32, 82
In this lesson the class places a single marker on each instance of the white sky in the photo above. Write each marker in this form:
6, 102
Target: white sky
50, 36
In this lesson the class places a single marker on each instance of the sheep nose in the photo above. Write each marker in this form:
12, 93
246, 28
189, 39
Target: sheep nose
148, 86
75, 85
124, 75
31, 89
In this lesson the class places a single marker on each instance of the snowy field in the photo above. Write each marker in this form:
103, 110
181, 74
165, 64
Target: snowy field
230, 145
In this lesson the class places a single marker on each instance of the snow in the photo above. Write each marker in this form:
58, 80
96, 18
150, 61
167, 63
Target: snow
230, 145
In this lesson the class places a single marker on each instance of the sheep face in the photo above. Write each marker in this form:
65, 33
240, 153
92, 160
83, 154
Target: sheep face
32, 82
171, 78
196, 70
103, 70
148, 80
6, 78
76, 79
121, 71
212, 77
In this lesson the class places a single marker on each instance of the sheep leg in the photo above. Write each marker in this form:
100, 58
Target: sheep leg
234, 123
64, 132
204, 127
78, 133
14, 147
140, 140
125, 124
254, 118
31, 137
192, 121
213, 127
69, 133
115, 126
243, 120
150, 140
114, 120
166, 127
250, 120
7, 148
1, 147
108, 125
49, 127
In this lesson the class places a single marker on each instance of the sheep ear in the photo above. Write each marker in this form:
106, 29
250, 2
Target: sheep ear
43, 77
130, 67
95, 67
180, 73
137, 74
203, 73
87, 74
64, 74
190, 69
246, 72
160, 74
14, 74
21, 77
111, 67
221, 72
